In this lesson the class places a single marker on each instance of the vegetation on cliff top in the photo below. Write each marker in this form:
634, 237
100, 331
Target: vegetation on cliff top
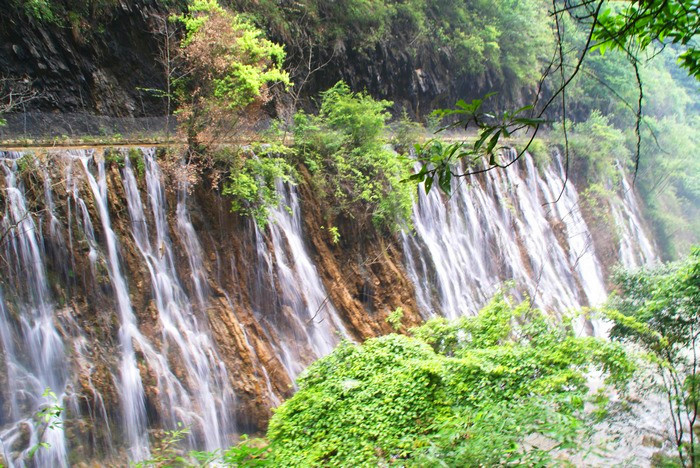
355, 171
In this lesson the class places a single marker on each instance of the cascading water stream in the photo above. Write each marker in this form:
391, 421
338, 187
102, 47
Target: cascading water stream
635, 247
129, 380
301, 285
497, 228
32, 345
306, 322
203, 401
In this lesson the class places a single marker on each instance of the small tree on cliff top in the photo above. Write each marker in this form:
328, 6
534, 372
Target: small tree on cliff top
230, 69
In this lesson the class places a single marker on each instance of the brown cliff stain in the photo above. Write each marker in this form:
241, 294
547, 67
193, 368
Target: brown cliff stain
348, 271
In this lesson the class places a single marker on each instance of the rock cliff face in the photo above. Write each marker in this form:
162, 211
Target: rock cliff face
78, 66
102, 65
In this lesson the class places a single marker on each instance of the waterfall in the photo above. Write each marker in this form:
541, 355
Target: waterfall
635, 247
32, 345
301, 285
129, 379
503, 226
312, 326
201, 402
117, 296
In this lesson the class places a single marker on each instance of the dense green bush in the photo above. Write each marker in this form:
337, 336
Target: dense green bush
658, 309
462, 393
353, 168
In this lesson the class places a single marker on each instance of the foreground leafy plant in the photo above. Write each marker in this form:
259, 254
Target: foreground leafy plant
474, 392
659, 310
47, 418
439, 160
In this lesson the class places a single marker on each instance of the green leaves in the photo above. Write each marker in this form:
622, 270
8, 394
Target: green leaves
641, 24
355, 172
251, 184
467, 392
444, 161
48, 417
225, 64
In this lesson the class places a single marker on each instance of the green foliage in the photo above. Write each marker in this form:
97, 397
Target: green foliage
438, 160
113, 156
137, 159
252, 182
394, 318
596, 199
230, 65
463, 393
659, 310
27, 163
478, 38
344, 148
87, 15
48, 417
334, 234
165, 452
596, 147
41, 10
247, 453
641, 24
669, 183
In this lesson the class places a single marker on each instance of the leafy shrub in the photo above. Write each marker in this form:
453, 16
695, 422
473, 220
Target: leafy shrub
462, 393
352, 167
395, 317
41, 10
252, 183
229, 65
137, 159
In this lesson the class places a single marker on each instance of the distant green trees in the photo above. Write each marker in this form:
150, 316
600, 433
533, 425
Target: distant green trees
638, 25
501, 39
